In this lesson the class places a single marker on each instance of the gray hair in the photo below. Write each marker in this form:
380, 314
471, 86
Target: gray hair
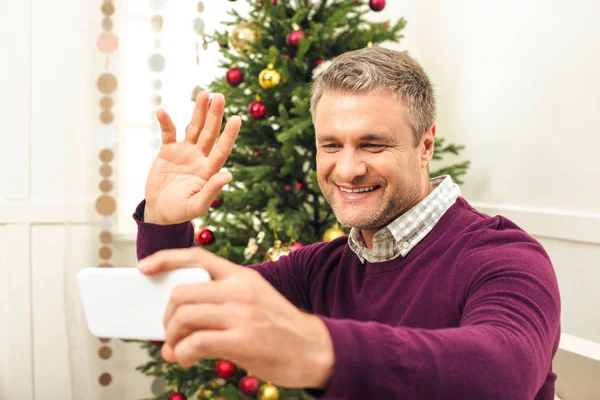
376, 68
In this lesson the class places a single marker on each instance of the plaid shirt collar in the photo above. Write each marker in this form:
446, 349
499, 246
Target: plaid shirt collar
405, 232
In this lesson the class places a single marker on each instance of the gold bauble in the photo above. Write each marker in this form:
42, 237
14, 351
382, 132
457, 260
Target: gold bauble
268, 392
242, 37
217, 382
333, 233
269, 77
277, 251
203, 393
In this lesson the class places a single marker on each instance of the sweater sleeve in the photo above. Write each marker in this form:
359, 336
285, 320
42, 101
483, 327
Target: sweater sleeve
502, 348
152, 237
283, 274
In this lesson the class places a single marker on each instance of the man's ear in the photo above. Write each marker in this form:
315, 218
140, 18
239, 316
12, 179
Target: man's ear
427, 144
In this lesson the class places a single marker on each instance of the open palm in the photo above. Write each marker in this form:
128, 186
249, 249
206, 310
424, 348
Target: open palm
184, 178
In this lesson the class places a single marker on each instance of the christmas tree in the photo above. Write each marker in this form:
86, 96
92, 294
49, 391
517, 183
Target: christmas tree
274, 205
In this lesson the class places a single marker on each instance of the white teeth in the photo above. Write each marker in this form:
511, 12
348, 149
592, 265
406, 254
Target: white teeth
360, 190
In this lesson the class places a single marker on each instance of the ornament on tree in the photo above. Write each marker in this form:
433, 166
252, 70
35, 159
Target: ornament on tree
268, 392
177, 396
243, 36
250, 249
252, 246
157, 343
269, 77
296, 245
377, 5
333, 233
225, 369
320, 68
294, 37
257, 110
234, 76
216, 203
203, 393
205, 237
249, 386
277, 251
217, 383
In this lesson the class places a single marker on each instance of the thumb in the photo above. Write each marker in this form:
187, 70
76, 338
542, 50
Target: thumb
202, 200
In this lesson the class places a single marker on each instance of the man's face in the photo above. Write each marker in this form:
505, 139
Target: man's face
368, 167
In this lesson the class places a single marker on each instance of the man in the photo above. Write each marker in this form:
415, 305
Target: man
425, 299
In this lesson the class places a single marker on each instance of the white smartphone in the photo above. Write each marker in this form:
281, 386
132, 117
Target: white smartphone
124, 303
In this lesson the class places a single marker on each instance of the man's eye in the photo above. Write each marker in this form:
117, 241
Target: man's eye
373, 145
331, 146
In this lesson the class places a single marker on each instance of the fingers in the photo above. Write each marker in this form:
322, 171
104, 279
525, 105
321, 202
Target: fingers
198, 118
206, 344
193, 257
193, 317
202, 200
212, 127
169, 134
192, 294
221, 151
167, 353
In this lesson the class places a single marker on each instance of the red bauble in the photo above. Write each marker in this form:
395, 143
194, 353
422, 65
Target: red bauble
157, 343
293, 38
205, 237
287, 188
249, 386
177, 396
257, 110
377, 5
234, 76
216, 203
225, 369
297, 245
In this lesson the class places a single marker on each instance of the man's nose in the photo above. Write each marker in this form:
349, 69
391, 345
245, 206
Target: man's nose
350, 166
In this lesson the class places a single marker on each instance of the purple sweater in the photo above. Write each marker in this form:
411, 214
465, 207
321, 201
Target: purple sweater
472, 312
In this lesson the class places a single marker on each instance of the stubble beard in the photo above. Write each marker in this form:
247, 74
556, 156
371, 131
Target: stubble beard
371, 221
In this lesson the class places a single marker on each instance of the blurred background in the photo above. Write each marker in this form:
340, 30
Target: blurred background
516, 84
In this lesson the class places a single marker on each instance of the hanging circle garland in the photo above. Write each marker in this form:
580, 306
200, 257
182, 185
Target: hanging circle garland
106, 137
156, 64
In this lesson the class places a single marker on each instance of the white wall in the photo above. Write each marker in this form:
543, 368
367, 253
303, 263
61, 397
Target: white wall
48, 224
517, 83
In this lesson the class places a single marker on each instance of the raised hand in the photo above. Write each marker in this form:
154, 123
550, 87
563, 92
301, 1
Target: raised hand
184, 178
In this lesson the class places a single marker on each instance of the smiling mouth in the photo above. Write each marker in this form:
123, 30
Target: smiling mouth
358, 190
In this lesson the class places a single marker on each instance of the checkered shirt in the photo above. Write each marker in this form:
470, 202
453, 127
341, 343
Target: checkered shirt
405, 232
